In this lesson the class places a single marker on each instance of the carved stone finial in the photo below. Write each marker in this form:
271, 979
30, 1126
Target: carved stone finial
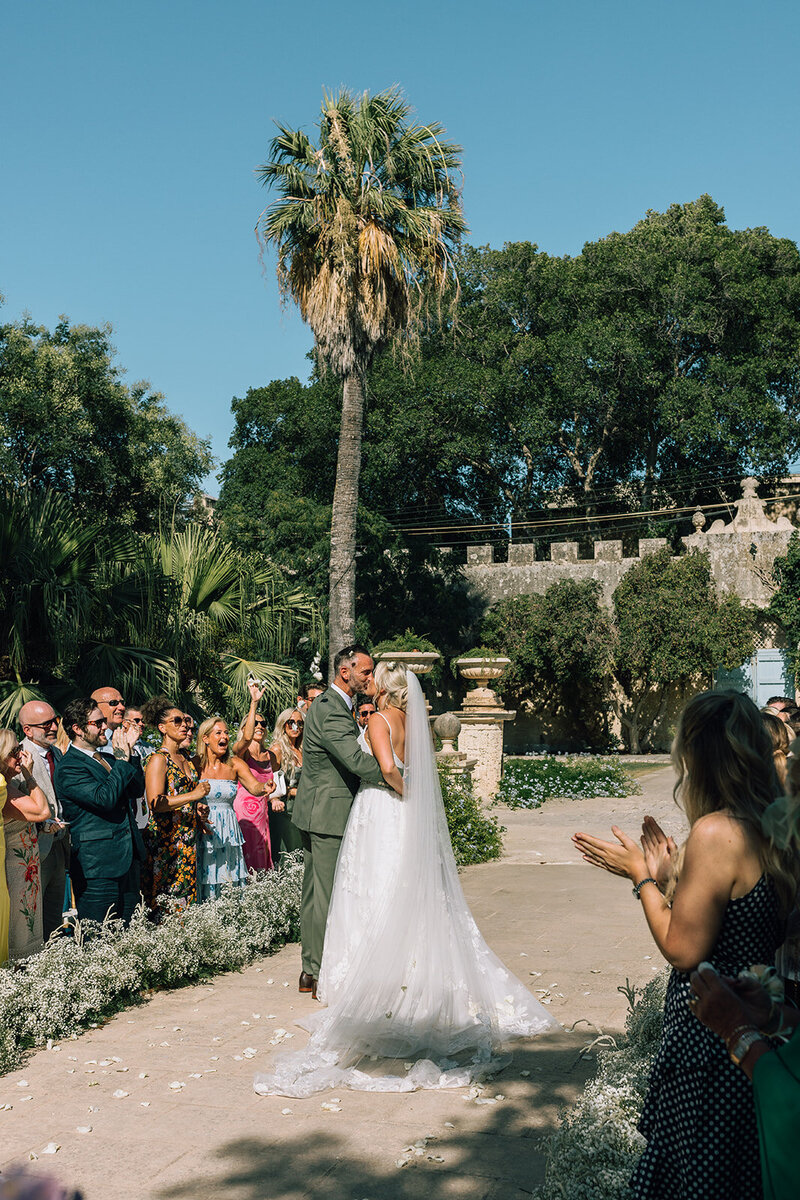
699, 520
750, 488
447, 726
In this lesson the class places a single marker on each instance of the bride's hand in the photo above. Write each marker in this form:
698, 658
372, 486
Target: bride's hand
659, 852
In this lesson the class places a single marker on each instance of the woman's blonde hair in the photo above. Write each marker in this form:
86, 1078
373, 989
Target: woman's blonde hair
779, 735
7, 739
391, 678
281, 740
723, 755
202, 748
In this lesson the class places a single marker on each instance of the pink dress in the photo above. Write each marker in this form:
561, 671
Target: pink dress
252, 813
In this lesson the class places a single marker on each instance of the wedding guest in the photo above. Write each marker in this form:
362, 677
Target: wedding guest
762, 1038
730, 901
97, 793
25, 803
221, 859
133, 718
780, 737
287, 754
364, 709
40, 725
5, 902
252, 812
308, 694
112, 706
176, 803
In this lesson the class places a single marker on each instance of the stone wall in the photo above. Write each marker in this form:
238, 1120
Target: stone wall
741, 553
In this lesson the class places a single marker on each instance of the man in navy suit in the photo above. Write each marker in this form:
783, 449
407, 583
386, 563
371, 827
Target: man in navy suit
98, 794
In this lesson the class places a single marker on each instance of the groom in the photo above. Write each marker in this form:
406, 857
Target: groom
333, 767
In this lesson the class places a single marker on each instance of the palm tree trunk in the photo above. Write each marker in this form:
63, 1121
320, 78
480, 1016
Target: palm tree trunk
342, 619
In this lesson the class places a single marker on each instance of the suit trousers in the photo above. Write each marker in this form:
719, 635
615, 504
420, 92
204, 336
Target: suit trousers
96, 896
53, 874
320, 852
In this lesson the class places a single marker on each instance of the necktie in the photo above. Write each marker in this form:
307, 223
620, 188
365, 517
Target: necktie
51, 764
101, 758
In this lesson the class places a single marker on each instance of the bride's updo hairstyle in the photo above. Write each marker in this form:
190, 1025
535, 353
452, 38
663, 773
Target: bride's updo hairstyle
390, 677
723, 756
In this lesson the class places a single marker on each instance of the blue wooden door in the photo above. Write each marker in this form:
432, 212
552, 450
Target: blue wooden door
766, 674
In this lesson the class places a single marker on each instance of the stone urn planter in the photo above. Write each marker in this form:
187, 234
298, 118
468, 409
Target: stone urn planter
418, 661
479, 671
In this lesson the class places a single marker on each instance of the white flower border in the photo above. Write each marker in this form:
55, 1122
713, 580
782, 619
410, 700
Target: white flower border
76, 982
592, 1154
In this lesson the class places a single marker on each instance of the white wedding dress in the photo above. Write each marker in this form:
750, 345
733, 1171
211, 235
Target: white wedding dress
415, 998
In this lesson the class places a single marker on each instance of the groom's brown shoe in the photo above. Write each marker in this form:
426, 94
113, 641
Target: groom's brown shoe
314, 990
307, 982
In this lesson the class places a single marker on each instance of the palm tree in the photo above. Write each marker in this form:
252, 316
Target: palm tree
364, 225
182, 612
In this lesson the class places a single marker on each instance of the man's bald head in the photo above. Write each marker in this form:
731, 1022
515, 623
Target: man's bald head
39, 722
111, 705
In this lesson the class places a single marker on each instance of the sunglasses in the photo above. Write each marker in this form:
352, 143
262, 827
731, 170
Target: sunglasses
179, 721
261, 724
43, 724
295, 724
97, 723
14, 752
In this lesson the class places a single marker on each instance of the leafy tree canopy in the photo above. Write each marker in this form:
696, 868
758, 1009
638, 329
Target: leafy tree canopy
68, 423
672, 628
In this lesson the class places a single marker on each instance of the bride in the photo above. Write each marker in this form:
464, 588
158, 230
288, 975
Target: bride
415, 998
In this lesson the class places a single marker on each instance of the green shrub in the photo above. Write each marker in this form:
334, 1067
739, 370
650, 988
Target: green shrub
527, 783
477, 837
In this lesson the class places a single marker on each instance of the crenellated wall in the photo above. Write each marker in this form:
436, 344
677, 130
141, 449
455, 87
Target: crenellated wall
741, 553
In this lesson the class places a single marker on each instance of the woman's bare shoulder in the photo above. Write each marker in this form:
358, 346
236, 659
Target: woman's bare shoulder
716, 829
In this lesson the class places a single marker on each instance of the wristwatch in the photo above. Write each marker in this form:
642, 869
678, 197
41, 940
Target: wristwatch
743, 1044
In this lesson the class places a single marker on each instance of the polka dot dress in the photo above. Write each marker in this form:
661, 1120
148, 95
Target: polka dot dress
699, 1118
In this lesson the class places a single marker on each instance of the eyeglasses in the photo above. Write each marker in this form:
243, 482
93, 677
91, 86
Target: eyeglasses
295, 724
261, 724
97, 723
42, 724
113, 703
179, 721
14, 751
136, 720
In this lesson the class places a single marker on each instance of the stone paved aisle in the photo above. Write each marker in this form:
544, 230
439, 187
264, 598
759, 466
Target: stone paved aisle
165, 1090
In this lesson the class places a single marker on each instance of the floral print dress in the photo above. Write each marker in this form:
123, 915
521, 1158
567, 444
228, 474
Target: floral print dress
171, 841
24, 888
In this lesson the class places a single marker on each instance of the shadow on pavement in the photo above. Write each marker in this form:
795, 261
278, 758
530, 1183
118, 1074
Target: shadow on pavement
492, 1153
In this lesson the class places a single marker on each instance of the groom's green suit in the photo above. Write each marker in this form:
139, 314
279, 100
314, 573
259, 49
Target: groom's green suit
333, 766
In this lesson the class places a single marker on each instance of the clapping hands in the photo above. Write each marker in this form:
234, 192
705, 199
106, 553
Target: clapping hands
660, 852
655, 858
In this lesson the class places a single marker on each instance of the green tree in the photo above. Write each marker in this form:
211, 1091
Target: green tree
561, 645
785, 603
364, 226
69, 423
671, 629
84, 601
664, 358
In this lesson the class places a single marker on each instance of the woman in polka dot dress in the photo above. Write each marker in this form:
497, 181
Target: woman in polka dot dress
730, 892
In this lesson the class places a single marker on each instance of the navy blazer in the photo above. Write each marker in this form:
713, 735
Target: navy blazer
98, 805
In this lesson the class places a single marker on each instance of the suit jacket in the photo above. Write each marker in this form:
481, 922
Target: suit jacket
97, 803
41, 773
333, 766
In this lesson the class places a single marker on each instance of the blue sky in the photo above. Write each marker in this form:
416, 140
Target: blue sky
131, 132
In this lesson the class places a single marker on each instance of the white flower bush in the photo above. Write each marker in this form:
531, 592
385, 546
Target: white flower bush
592, 1154
78, 980
527, 783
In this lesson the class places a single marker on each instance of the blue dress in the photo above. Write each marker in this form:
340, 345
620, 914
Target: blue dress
221, 859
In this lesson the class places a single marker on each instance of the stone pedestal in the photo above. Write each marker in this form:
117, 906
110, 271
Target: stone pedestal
481, 738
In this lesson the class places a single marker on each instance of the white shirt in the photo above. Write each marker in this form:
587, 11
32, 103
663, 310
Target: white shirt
347, 699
